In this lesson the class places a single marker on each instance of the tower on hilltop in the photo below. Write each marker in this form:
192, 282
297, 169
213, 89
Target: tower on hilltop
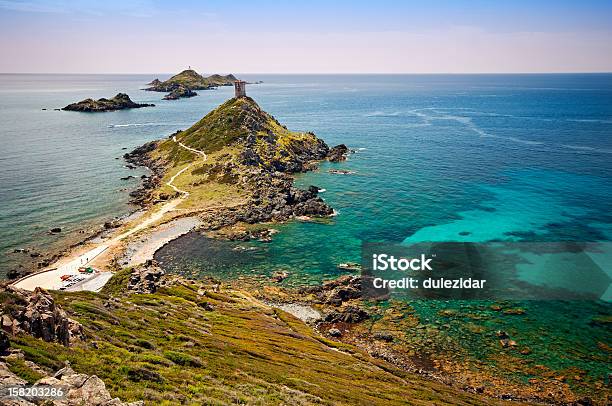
239, 88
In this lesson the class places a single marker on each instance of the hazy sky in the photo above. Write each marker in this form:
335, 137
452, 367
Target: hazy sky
148, 36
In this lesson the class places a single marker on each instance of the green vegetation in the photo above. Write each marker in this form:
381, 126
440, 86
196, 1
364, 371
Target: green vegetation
166, 349
193, 80
232, 122
22, 370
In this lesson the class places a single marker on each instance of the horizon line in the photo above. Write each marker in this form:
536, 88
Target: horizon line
316, 73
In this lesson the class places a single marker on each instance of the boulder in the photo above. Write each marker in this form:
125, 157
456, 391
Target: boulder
338, 153
146, 278
38, 315
5, 344
80, 389
350, 314
334, 332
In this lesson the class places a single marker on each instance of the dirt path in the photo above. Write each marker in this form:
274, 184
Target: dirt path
50, 278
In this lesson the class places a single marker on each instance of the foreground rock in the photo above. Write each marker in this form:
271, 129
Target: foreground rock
146, 278
78, 389
36, 313
120, 102
338, 291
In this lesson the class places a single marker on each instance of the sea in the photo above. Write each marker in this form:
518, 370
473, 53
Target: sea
467, 158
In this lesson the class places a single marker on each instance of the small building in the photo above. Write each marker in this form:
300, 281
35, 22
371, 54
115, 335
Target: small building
239, 88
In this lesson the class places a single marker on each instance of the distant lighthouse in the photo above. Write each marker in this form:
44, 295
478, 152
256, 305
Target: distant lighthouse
239, 88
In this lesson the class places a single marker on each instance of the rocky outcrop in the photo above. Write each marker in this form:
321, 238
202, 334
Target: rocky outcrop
338, 291
5, 344
338, 153
78, 389
180, 92
146, 278
36, 313
140, 157
119, 102
349, 314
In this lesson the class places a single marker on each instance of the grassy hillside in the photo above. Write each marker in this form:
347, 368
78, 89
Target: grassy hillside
167, 348
232, 123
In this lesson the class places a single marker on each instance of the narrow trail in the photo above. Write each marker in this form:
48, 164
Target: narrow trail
50, 278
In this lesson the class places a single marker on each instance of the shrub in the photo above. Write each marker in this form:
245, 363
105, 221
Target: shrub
183, 359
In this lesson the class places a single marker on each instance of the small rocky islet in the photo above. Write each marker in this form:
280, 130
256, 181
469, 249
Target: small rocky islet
185, 83
120, 102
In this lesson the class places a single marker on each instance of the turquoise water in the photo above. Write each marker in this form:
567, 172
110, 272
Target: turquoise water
439, 158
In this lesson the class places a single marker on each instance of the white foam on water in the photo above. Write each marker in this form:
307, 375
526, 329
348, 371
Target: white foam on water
382, 114
585, 148
143, 125
575, 120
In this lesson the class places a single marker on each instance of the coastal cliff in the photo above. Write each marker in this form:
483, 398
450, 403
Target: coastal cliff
120, 102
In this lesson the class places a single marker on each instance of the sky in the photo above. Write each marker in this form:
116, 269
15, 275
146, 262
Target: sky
315, 36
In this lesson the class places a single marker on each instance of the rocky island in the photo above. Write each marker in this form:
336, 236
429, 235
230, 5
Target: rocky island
120, 102
183, 84
180, 92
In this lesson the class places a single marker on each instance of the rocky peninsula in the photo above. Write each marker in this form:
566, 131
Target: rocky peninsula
120, 102
250, 159
184, 83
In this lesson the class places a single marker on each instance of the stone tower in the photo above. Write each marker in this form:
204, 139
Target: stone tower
239, 88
